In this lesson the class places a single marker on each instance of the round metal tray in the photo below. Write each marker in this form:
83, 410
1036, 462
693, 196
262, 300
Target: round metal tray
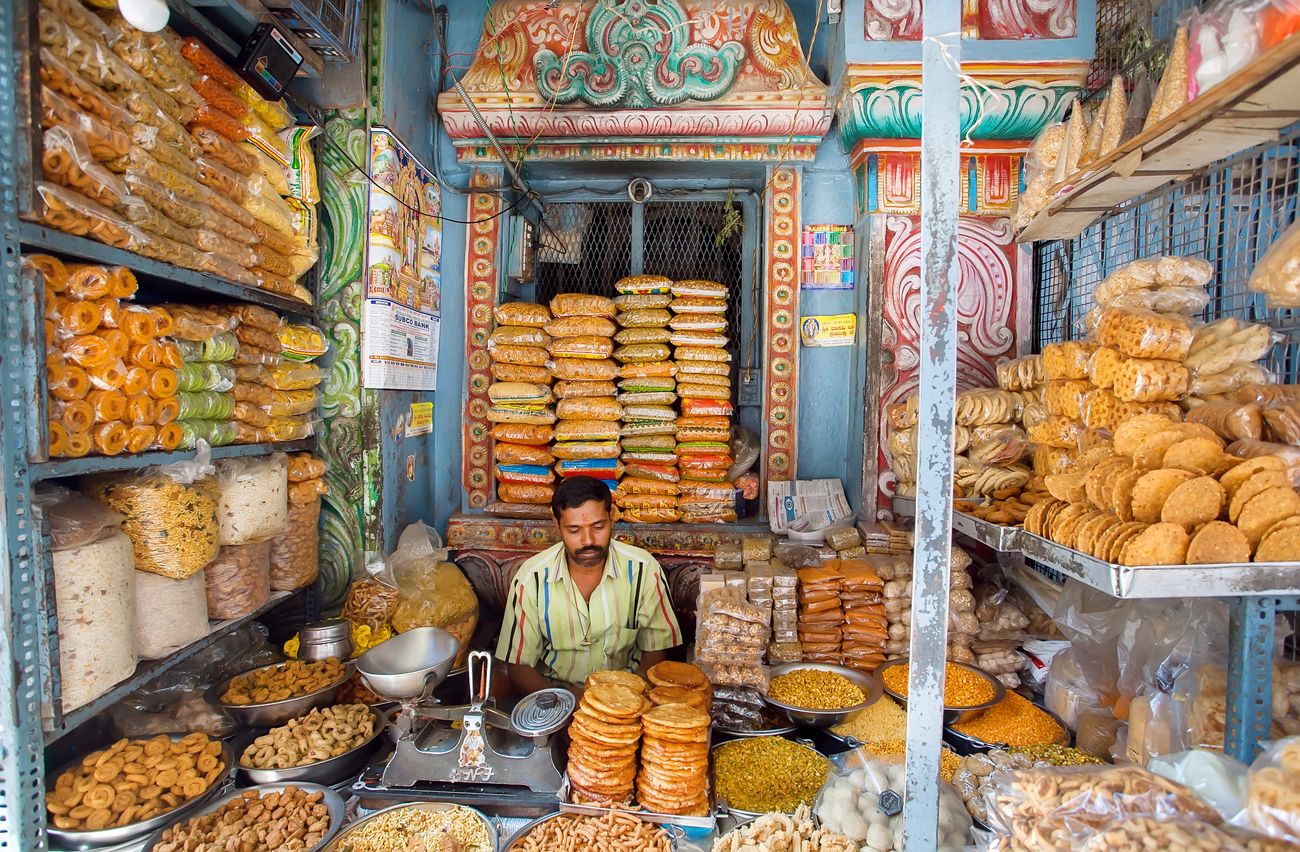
122, 834
272, 713
825, 718
329, 771
333, 802
339, 840
675, 832
739, 816
951, 715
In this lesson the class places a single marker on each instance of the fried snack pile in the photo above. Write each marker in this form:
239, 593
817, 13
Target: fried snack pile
784, 833
134, 780
290, 680
319, 735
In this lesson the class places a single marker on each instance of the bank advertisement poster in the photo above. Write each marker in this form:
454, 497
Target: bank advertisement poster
403, 288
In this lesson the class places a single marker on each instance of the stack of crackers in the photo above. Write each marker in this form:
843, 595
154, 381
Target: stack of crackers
1165, 492
603, 738
675, 761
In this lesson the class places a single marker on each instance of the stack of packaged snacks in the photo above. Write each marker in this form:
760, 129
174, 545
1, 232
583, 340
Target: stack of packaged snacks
140, 152
704, 386
732, 639
821, 615
521, 412
587, 430
294, 410
648, 393
295, 553
866, 627
846, 542
207, 342
111, 376
963, 625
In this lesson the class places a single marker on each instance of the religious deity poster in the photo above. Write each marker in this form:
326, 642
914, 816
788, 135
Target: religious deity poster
403, 296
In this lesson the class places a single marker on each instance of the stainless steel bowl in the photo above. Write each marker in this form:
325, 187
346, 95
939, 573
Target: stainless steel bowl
329, 771
272, 713
964, 744
332, 800
340, 840
409, 664
954, 714
741, 817
122, 834
825, 718
675, 832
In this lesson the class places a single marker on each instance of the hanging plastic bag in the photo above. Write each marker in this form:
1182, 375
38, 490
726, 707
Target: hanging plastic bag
432, 592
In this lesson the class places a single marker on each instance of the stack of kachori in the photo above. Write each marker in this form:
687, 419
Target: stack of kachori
603, 738
679, 683
674, 761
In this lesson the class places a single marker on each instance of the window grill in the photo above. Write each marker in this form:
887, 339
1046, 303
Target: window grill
590, 245
1133, 34
1229, 214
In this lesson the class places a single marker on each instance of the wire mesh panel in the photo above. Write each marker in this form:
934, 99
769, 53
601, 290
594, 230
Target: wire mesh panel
585, 248
1228, 214
1133, 34
590, 245
690, 239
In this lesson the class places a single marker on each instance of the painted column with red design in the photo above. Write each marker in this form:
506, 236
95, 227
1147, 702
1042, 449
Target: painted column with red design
480, 300
781, 291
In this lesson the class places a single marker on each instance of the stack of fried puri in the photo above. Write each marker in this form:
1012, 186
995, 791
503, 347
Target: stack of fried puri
679, 683
674, 761
866, 627
603, 738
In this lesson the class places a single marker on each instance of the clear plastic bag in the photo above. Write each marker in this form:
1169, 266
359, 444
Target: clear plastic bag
582, 347
1231, 421
1150, 380
581, 305
1068, 360
254, 498
583, 369
295, 553
519, 492
580, 326
72, 213
698, 288
589, 408
1063, 397
1227, 343
642, 285
642, 353
170, 512
522, 313
1230, 380
238, 581
170, 614
1145, 334
644, 318
1020, 374
94, 591
586, 430
849, 803
984, 406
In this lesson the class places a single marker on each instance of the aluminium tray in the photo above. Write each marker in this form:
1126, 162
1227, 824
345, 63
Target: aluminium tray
1165, 581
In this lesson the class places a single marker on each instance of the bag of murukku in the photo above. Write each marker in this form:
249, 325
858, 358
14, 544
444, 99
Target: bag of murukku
522, 313
170, 514
640, 285
581, 305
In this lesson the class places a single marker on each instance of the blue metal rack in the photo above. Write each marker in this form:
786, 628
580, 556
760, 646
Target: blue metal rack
30, 709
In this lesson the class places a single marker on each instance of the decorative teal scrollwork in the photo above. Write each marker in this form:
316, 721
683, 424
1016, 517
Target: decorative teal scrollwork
640, 59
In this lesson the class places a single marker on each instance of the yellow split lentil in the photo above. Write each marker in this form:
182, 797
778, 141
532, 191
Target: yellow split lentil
1013, 721
961, 687
884, 720
764, 774
815, 689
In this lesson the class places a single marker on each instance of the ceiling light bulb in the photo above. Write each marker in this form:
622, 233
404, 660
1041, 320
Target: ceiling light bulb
148, 15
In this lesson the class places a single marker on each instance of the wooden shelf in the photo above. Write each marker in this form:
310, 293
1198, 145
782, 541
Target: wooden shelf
1247, 109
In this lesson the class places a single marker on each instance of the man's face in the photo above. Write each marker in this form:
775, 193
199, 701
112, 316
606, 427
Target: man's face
586, 531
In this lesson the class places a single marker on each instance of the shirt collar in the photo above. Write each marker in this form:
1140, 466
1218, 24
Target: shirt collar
557, 569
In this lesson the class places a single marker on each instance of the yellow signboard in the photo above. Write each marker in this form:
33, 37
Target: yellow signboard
420, 421
829, 329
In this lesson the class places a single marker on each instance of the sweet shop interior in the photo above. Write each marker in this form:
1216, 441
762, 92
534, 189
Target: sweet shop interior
858, 425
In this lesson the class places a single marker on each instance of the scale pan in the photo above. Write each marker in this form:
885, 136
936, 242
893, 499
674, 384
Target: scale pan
409, 664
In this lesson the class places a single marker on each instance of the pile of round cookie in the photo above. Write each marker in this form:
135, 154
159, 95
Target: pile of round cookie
134, 780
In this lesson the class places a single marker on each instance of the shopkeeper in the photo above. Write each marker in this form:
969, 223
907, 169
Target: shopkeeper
587, 603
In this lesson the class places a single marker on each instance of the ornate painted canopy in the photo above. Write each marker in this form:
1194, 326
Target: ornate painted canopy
646, 79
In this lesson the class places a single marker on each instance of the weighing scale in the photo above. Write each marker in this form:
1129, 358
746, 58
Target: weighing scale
471, 754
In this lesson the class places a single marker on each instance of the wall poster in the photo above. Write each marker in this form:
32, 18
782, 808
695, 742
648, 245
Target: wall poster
403, 297
826, 257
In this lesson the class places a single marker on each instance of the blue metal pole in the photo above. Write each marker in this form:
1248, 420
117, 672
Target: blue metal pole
932, 560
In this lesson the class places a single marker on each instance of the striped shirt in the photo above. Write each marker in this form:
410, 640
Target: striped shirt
629, 613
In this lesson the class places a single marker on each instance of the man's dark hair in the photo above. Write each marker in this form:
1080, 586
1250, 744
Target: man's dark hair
576, 490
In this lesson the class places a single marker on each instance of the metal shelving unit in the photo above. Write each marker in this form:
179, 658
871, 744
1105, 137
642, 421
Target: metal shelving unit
150, 670
30, 712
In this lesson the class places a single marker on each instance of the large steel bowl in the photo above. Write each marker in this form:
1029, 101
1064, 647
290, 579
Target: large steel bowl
340, 841
332, 800
739, 816
125, 833
272, 713
409, 664
954, 714
329, 771
826, 718
965, 744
